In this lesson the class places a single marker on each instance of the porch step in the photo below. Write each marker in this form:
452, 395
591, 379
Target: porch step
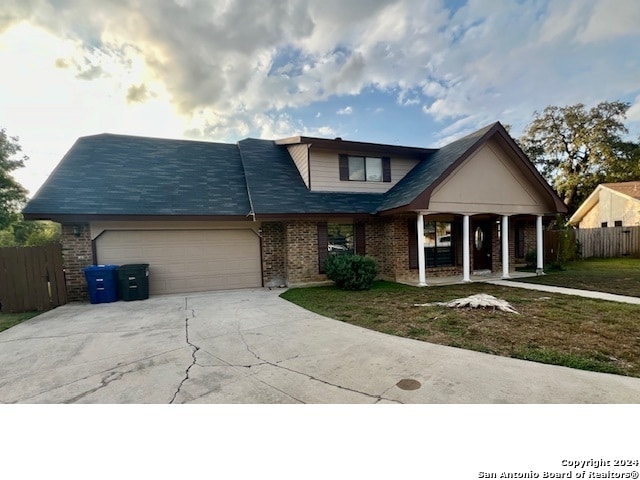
482, 272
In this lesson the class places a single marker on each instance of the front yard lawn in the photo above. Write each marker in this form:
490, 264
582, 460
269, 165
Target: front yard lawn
551, 328
611, 275
8, 320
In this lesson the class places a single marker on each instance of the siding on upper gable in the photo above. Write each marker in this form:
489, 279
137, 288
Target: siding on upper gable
299, 154
612, 207
489, 181
325, 174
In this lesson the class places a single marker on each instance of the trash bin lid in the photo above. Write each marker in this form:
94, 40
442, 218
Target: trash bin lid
134, 265
98, 268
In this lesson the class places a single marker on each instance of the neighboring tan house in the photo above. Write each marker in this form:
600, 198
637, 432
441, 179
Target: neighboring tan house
209, 216
610, 205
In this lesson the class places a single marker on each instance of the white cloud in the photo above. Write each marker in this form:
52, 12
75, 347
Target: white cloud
633, 113
224, 70
345, 111
610, 20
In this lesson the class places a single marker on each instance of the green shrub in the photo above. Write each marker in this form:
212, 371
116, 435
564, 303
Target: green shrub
531, 258
351, 272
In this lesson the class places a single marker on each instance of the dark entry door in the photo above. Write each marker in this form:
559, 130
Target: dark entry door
482, 245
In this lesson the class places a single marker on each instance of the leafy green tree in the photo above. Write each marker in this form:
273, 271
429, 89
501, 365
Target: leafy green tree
577, 148
45, 233
12, 194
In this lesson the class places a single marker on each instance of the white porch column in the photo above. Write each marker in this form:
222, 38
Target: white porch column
466, 273
539, 247
505, 246
421, 262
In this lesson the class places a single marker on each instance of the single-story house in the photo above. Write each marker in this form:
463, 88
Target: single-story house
209, 216
610, 205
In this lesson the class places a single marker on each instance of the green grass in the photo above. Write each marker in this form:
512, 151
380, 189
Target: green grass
8, 320
551, 328
612, 275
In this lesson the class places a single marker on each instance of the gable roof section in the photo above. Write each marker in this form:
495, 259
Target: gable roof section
427, 172
124, 175
121, 175
413, 192
627, 189
630, 189
276, 187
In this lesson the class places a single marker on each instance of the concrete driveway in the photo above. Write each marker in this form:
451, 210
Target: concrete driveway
250, 346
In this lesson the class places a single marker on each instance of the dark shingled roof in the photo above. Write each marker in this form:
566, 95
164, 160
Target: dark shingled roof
124, 175
277, 188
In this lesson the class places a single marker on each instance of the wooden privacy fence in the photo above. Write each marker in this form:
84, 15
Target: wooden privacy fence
31, 278
609, 242
551, 242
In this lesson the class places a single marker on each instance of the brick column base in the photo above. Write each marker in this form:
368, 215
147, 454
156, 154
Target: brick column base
77, 254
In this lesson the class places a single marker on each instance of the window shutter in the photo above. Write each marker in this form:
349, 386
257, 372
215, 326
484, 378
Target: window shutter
386, 169
344, 167
323, 245
413, 243
361, 248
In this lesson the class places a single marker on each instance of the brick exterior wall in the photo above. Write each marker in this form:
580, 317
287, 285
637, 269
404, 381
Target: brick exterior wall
273, 254
290, 251
378, 246
301, 253
77, 254
496, 248
398, 238
530, 238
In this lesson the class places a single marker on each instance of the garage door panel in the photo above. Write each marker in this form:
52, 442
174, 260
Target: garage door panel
187, 260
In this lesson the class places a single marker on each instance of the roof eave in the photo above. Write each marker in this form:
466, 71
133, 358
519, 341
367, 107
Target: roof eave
92, 217
347, 146
586, 206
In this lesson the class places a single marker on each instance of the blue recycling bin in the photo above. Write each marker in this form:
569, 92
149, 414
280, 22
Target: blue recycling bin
102, 283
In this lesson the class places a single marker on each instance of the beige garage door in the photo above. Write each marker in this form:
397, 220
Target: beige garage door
183, 261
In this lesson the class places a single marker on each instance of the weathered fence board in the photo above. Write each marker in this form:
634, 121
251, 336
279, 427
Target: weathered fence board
551, 242
609, 242
31, 278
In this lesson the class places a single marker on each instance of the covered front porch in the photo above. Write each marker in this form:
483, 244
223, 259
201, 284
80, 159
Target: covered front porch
466, 248
473, 278
476, 207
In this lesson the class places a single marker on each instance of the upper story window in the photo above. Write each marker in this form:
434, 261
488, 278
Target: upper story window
365, 169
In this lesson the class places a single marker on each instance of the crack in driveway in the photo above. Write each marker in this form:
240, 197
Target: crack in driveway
195, 349
111, 377
378, 398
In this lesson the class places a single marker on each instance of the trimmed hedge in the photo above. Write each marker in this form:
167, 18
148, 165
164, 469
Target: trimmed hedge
351, 272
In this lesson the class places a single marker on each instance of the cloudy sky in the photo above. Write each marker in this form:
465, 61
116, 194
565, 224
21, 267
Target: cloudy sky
411, 72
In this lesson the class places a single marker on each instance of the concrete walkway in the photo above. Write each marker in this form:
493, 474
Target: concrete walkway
250, 346
568, 291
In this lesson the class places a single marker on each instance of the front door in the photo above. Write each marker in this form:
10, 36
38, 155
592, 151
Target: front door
482, 245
